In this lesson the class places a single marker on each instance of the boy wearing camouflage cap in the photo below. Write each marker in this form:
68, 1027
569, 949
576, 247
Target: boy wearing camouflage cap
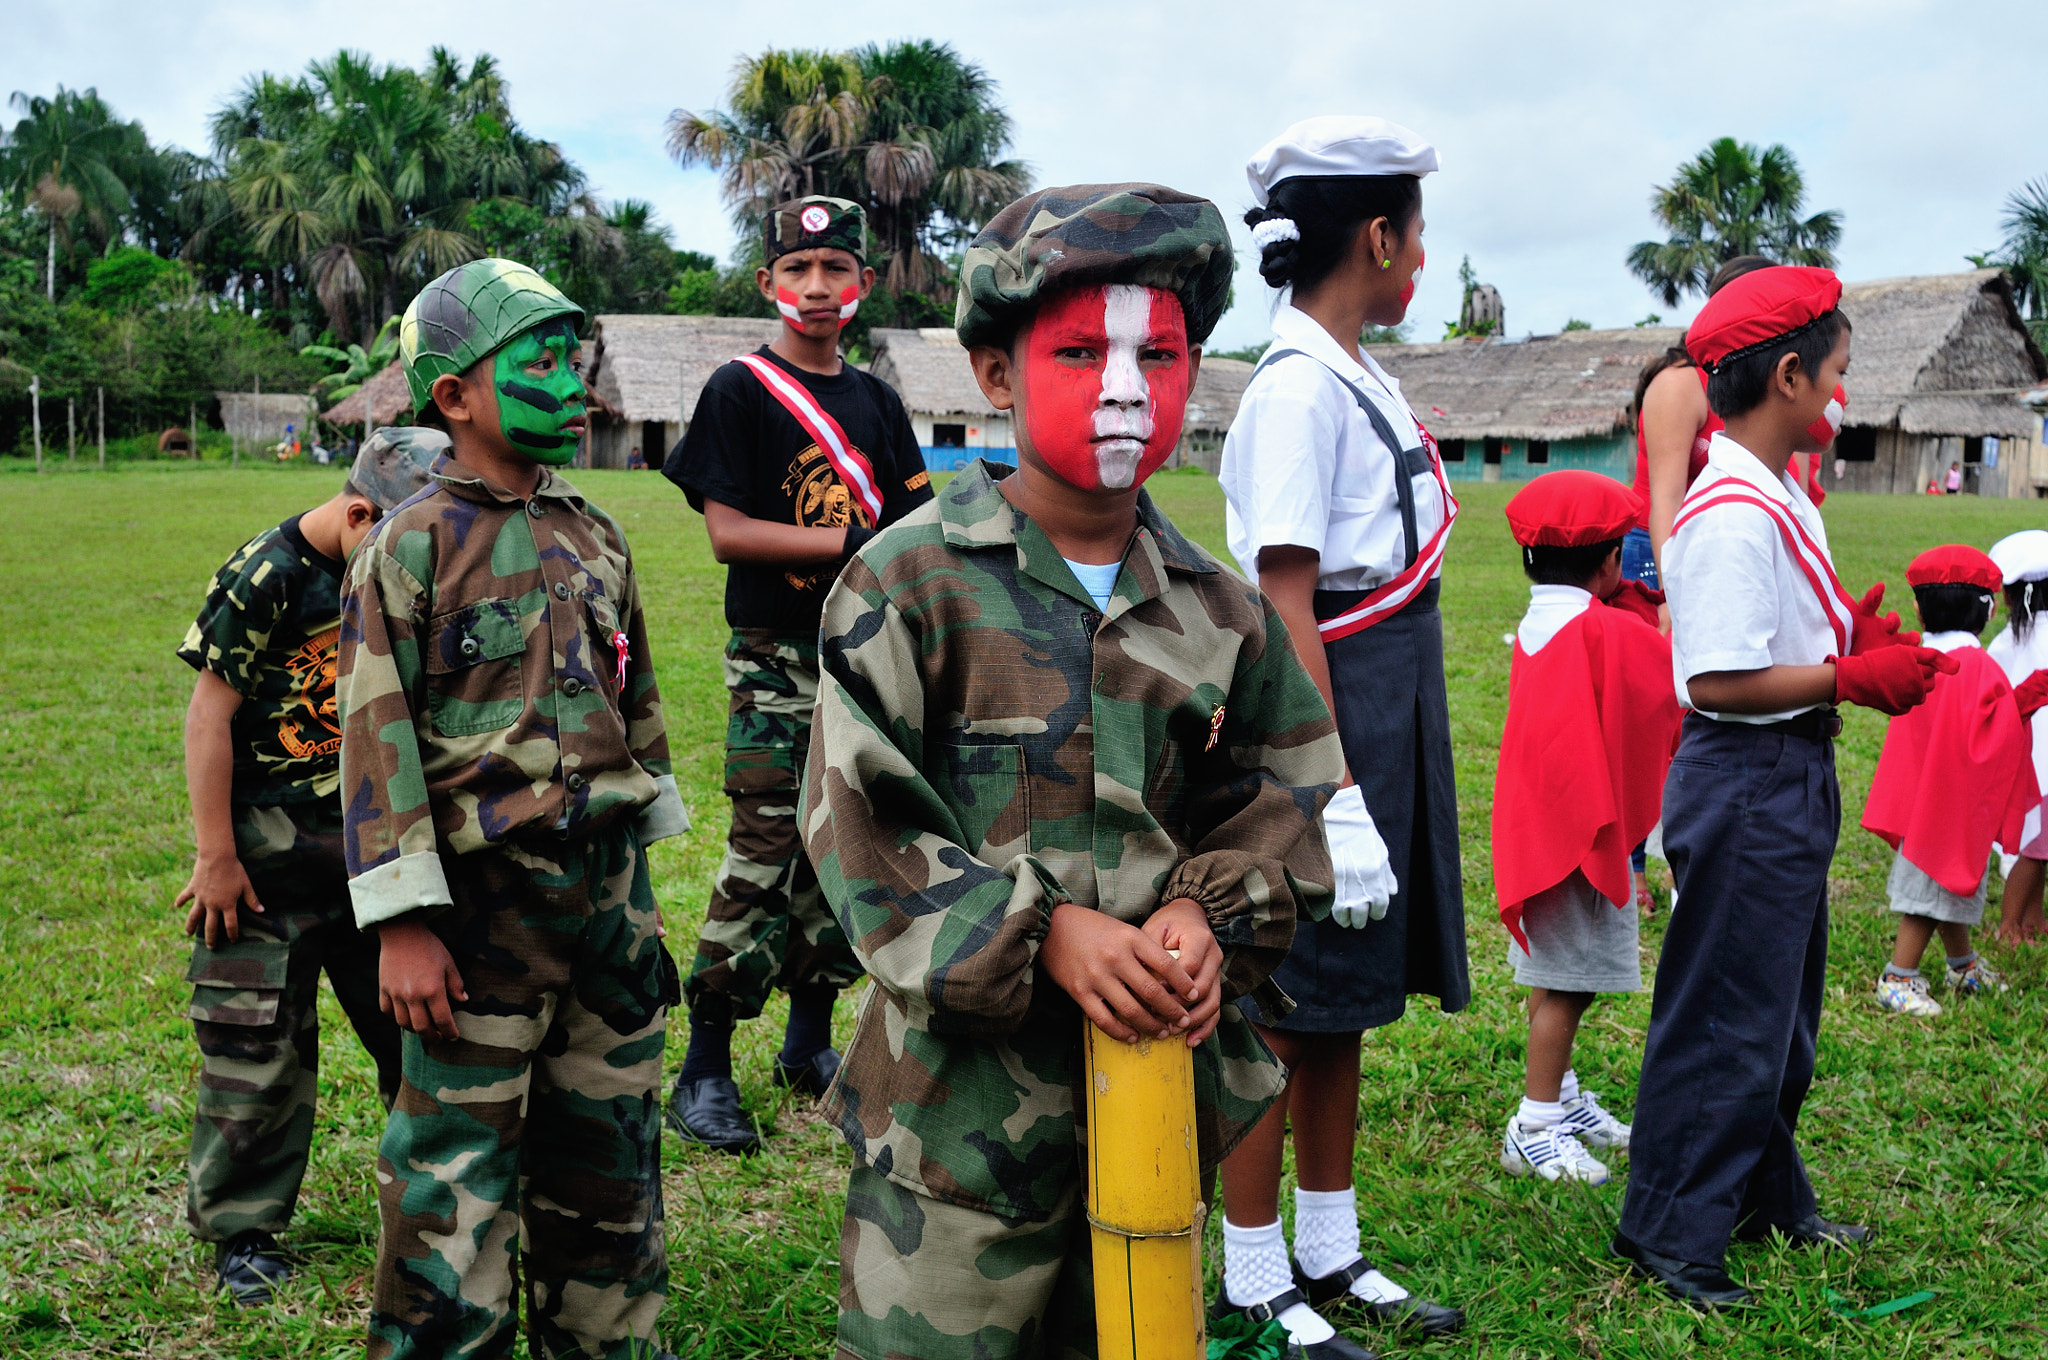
794, 457
503, 767
268, 898
1066, 766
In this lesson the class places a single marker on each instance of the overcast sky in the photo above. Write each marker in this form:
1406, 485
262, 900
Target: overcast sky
1553, 122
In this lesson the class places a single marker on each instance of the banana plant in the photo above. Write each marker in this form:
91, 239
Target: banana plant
358, 365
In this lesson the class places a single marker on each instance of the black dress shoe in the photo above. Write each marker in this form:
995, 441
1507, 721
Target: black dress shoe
811, 1076
1337, 1347
707, 1111
250, 1267
1334, 1289
1701, 1285
1811, 1231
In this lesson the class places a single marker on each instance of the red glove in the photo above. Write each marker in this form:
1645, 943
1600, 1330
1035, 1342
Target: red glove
1638, 599
2031, 694
1873, 630
1890, 679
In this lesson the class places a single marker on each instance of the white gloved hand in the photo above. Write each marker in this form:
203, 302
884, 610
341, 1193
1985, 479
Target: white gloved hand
1365, 878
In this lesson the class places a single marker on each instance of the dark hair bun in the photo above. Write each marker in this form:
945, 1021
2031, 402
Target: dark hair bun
1276, 261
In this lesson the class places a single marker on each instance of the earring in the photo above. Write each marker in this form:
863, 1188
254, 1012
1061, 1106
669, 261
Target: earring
1386, 264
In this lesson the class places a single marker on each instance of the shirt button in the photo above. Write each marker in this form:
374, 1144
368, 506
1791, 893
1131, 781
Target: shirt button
561, 590
572, 687
536, 509
575, 782
470, 647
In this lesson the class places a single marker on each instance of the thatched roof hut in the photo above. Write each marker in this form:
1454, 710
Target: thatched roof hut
384, 399
1955, 334
645, 373
954, 422
1578, 385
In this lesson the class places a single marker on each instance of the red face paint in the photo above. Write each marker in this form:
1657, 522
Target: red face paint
1408, 288
1106, 383
1824, 430
791, 306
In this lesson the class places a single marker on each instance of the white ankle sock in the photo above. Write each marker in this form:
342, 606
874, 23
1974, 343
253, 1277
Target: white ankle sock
1326, 1240
1255, 1269
1540, 1114
1568, 1089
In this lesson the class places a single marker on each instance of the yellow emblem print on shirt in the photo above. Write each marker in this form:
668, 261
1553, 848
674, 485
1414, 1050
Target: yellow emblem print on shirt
312, 726
821, 501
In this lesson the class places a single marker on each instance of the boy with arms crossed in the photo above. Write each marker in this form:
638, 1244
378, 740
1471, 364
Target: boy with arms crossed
795, 458
269, 894
504, 767
1764, 642
1066, 766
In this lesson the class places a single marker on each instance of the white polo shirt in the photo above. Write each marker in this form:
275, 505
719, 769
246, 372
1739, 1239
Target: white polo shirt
1739, 602
1302, 466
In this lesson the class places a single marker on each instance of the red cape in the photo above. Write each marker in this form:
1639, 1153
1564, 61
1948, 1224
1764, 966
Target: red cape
1956, 775
1592, 722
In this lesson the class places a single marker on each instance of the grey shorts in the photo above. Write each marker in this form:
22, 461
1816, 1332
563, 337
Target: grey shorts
1578, 942
1915, 894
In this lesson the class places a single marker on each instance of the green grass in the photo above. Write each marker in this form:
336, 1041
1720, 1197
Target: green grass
1932, 1131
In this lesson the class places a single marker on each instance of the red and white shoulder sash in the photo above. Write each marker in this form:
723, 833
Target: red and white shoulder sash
849, 462
1807, 555
1393, 597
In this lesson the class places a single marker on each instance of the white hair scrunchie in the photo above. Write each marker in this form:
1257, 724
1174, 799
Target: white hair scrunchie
1273, 231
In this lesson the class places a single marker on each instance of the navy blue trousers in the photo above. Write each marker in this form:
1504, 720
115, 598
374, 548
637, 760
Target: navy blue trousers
1750, 821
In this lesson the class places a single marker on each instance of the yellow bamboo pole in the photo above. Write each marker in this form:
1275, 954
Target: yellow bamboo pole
1144, 1196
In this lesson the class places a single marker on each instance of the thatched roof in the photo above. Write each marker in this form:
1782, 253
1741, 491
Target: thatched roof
1572, 386
928, 369
653, 367
1915, 339
385, 397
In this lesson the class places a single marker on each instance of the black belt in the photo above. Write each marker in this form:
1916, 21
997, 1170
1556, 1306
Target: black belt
1816, 724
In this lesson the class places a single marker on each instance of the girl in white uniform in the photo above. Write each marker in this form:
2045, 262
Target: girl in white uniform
2021, 649
1339, 510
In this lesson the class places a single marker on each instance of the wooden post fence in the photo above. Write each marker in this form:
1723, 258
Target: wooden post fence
103, 428
35, 399
71, 428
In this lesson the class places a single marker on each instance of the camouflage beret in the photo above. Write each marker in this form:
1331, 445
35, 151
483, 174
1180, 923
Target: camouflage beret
813, 223
1095, 233
468, 313
393, 463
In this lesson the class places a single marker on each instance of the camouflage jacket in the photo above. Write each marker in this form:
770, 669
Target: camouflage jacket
988, 745
269, 628
480, 686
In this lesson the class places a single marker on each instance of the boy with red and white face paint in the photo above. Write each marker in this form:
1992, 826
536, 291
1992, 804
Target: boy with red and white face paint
795, 458
1065, 766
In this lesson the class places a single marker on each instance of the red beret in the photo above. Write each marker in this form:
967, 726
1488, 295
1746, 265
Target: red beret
1955, 564
1759, 307
1572, 509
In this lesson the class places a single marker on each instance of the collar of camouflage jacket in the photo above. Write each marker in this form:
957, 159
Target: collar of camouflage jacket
470, 487
977, 517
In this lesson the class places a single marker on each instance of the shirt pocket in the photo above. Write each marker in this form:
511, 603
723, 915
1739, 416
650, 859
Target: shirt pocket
240, 982
473, 664
988, 791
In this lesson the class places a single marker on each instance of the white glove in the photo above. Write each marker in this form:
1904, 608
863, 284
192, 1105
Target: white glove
1365, 880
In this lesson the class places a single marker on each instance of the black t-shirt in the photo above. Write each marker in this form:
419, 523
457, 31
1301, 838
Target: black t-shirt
743, 449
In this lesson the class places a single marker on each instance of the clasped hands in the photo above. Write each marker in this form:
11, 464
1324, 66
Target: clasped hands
1127, 979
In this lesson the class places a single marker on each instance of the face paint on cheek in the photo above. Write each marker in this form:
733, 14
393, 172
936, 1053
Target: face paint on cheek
1824, 431
1106, 424
1408, 288
849, 303
535, 411
791, 306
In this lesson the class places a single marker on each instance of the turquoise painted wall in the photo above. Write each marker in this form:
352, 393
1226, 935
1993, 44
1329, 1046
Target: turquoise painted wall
1614, 455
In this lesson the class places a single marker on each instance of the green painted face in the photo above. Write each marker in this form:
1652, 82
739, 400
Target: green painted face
540, 392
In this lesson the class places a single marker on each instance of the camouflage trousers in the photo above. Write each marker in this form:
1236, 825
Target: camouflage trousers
923, 1280
767, 924
529, 1147
256, 1013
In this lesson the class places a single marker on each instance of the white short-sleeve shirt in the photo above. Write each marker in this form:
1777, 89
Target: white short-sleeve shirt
1739, 602
1302, 465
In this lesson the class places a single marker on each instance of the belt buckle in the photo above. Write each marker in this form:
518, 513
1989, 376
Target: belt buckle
1831, 723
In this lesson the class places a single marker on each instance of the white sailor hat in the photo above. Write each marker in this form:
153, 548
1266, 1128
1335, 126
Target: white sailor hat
1338, 144
2022, 556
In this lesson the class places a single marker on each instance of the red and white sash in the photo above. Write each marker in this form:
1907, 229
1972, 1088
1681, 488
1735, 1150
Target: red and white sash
1393, 597
1807, 555
849, 462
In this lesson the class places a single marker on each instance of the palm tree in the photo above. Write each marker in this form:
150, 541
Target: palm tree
70, 155
911, 132
1734, 198
2023, 255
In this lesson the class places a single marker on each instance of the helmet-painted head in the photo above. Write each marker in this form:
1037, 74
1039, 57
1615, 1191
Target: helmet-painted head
494, 307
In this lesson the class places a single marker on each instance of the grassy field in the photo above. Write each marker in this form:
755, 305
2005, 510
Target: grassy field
1932, 1131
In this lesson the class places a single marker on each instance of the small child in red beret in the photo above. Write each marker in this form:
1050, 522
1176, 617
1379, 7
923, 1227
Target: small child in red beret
1955, 776
1592, 719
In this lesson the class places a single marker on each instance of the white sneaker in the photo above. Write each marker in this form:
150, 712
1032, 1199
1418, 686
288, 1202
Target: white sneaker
1975, 978
1551, 1153
1907, 996
1593, 1126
